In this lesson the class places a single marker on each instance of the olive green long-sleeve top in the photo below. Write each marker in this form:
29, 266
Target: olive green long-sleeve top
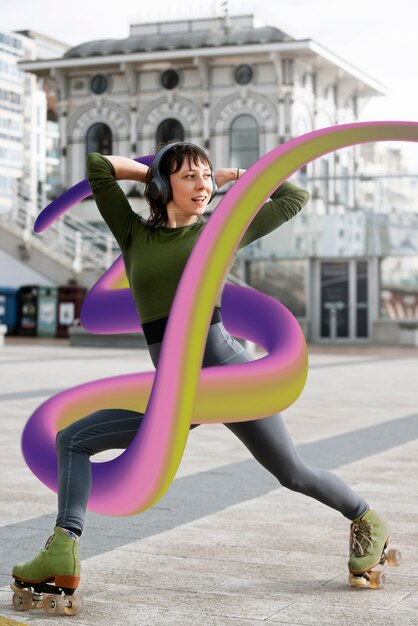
155, 258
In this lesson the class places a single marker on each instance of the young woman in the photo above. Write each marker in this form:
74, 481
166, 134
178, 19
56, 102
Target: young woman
179, 186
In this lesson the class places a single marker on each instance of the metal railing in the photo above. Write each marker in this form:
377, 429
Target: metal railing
71, 241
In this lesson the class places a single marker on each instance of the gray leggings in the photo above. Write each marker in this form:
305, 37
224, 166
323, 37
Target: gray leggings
267, 439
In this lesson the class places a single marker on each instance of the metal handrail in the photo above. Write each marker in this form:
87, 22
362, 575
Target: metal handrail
72, 241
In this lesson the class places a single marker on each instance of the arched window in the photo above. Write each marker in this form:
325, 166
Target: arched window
99, 139
244, 142
170, 130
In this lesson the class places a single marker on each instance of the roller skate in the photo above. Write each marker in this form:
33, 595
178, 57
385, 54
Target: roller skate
369, 541
51, 578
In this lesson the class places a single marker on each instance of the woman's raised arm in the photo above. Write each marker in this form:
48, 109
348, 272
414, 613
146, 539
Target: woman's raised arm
227, 175
128, 169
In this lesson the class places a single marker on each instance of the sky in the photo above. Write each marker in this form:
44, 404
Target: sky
377, 36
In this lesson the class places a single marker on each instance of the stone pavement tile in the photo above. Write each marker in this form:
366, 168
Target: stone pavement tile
110, 570
19, 533
178, 618
112, 611
261, 550
7, 609
264, 510
320, 614
184, 547
309, 590
27, 506
285, 567
338, 592
268, 537
328, 405
214, 604
19, 556
411, 601
279, 588
17, 512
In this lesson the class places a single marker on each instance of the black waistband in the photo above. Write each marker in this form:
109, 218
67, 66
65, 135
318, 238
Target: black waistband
154, 331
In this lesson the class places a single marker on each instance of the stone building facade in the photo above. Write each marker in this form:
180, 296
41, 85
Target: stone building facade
239, 90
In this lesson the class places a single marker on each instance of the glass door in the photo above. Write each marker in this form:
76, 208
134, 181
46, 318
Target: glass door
362, 300
344, 300
334, 300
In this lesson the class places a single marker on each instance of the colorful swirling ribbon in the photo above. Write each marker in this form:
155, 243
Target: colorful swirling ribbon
180, 392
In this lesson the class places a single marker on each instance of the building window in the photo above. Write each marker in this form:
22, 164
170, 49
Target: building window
288, 72
243, 74
169, 130
11, 157
170, 79
284, 280
325, 183
399, 287
99, 84
303, 176
314, 83
11, 42
354, 102
309, 81
9, 96
99, 139
244, 149
344, 186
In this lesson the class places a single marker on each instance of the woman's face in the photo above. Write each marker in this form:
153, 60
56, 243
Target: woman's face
192, 189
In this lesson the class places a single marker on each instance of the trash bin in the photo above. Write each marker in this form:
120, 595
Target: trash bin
27, 309
46, 319
8, 308
70, 299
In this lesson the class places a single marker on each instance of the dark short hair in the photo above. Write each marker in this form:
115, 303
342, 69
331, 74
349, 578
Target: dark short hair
171, 163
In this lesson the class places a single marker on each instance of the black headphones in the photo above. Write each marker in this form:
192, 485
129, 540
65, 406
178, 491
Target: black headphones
159, 185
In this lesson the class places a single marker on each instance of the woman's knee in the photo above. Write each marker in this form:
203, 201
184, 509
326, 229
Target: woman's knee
70, 437
296, 478
292, 482
65, 439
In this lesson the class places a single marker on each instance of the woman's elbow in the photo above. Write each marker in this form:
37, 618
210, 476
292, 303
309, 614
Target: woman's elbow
305, 197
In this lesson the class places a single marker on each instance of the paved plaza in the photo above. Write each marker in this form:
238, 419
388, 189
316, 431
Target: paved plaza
227, 546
